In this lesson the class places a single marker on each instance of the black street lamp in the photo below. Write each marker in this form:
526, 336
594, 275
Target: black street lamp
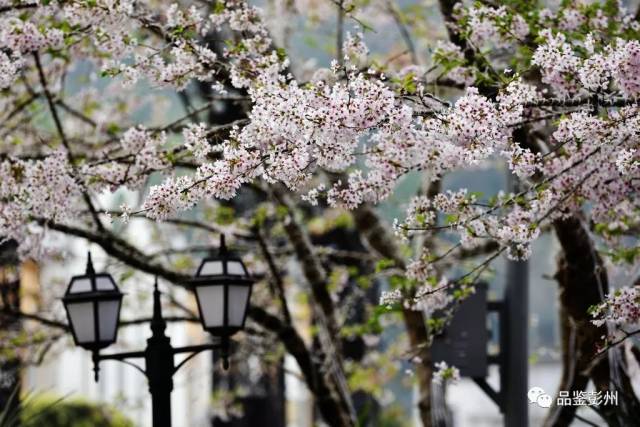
92, 302
223, 288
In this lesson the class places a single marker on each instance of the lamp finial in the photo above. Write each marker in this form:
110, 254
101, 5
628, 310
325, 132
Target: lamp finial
90, 270
223, 244
158, 324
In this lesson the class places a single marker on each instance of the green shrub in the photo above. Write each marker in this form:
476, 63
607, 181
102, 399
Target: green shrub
53, 412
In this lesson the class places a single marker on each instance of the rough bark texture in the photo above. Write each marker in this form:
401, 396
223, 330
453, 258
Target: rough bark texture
325, 318
582, 280
313, 271
327, 400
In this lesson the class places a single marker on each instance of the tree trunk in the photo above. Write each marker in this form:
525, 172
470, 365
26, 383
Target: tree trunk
572, 378
325, 316
582, 281
418, 339
327, 399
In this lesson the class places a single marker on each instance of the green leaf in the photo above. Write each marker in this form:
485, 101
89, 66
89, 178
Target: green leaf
384, 264
282, 53
451, 219
224, 215
218, 7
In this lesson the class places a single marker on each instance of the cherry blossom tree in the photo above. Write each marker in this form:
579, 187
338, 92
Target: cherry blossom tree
290, 148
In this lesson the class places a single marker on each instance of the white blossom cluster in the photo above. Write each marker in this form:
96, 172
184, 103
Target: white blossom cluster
391, 298
452, 53
622, 308
371, 126
40, 190
568, 73
141, 152
445, 373
497, 26
8, 70
195, 140
432, 299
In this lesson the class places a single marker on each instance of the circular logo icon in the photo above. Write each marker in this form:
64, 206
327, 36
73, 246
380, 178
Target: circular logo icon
534, 393
544, 401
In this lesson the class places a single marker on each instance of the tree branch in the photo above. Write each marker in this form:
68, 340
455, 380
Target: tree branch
275, 275
327, 401
36, 317
313, 271
4, 9
120, 250
63, 138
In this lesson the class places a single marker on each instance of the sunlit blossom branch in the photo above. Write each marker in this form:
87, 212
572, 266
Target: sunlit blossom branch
513, 199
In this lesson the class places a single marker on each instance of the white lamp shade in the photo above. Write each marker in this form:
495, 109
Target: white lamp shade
105, 283
210, 268
211, 301
222, 287
238, 298
83, 284
81, 318
93, 304
80, 285
235, 268
108, 319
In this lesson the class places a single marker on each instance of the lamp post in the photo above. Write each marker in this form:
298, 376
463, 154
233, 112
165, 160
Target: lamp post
222, 287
